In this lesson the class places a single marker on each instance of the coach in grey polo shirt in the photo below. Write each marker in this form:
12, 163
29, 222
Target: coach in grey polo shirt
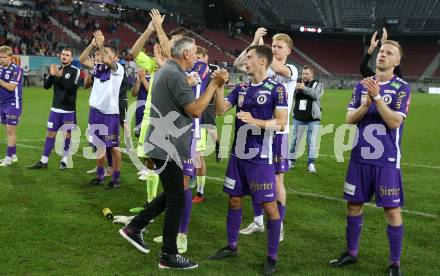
172, 107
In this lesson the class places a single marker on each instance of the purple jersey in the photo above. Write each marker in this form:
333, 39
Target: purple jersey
260, 100
11, 74
202, 70
101, 71
378, 144
143, 92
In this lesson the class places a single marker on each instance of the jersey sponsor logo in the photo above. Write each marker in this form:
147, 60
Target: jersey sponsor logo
387, 99
262, 99
67, 76
229, 183
400, 96
6, 76
396, 84
349, 189
264, 92
269, 86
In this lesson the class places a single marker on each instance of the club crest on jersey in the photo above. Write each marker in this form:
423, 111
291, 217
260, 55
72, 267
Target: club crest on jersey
7, 77
261, 99
387, 99
67, 76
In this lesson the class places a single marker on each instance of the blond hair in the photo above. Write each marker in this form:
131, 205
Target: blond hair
395, 44
284, 37
6, 50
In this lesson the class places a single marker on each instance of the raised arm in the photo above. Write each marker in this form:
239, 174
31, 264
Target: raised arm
164, 42
140, 42
84, 58
240, 61
106, 59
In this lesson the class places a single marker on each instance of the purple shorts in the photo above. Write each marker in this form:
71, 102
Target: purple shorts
188, 165
10, 114
103, 127
281, 153
364, 180
249, 177
57, 120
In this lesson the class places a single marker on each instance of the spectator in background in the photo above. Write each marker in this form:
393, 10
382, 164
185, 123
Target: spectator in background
26, 75
306, 116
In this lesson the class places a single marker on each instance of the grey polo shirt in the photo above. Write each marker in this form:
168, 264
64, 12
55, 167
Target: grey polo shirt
169, 135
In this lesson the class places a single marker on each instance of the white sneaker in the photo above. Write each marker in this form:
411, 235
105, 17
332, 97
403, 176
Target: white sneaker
92, 171
6, 162
182, 243
311, 168
14, 159
282, 233
252, 228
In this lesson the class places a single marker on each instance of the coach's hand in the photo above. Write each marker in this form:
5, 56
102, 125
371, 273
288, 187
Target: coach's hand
300, 85
246, 117
372, 86
220, 77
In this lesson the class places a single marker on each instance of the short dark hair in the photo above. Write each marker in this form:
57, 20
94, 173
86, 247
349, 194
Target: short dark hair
68, 49
308, 67
262, 51
112, 48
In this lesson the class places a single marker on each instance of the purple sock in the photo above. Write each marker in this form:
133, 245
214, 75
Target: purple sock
273, 237
233, 222
66, 146
48, 146
9, 151
395, 238
100, 173
115, 176
184, 221
281, 210
108, 153
353, 233
258, 209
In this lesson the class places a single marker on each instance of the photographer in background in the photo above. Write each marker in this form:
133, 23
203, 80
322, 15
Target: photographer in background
306, 115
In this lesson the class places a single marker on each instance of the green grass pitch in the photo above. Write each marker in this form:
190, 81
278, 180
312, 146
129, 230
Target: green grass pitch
52, 222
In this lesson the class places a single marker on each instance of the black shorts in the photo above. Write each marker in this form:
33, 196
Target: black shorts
123, 105
209, 116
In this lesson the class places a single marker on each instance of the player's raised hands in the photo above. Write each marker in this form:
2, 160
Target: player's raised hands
156, 18
99, 37
384, 35
374, 41
259, 33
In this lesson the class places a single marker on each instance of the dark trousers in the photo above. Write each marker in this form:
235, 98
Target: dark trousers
171, 200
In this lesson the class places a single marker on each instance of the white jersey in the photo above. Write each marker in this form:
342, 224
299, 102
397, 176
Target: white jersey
105, 94
289, 84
